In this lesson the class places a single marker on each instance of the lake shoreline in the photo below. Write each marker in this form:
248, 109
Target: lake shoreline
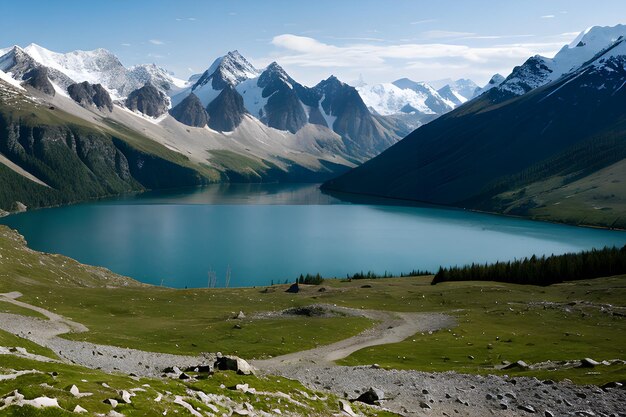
452, 207
175, 239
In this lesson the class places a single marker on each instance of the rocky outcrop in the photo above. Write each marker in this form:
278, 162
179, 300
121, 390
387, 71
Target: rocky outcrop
283, 110
37, 78
361, 133
87, 94
227, 111
233, 363
148, 100
190, 112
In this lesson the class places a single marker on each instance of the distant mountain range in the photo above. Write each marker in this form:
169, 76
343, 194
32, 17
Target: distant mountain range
233, 122
548, 141
416, 102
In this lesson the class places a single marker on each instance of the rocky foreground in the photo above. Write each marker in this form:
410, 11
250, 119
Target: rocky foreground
408, 393
412, 393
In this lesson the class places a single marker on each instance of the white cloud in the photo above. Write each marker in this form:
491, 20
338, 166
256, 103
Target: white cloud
302, 54
356, 38
444, 34
126, 44
421, 22
491, 37
548, 16
156, 42
311, 52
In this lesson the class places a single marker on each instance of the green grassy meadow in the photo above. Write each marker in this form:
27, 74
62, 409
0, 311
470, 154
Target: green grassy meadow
495, 322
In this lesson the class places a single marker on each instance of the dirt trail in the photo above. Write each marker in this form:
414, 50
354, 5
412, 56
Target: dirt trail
58, 324
392, 328
108, 358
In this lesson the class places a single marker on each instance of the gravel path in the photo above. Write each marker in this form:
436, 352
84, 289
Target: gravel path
392, 328
108, 358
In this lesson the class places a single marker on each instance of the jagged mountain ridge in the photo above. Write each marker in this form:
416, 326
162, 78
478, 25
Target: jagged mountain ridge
250, 152
96, 67
539, 70
280, 102
270, 95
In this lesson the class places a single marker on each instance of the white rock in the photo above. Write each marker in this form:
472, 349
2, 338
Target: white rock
125, 396
41, 402
345, 408
74, 391
242, 387
111, 401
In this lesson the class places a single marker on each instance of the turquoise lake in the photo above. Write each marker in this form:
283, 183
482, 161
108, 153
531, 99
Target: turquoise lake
273, 233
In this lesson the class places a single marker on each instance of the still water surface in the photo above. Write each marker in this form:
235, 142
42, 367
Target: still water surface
273, 233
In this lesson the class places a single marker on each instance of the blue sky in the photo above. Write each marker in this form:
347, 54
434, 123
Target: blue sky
380, 40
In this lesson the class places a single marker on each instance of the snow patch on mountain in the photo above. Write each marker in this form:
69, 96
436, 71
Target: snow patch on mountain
253, 99
8, 79
328, 118
463, 89
387, 99
157, 76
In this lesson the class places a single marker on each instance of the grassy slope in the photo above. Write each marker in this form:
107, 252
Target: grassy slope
90, 176
33, 114
143, 404
596, 199
498, 322
196, 320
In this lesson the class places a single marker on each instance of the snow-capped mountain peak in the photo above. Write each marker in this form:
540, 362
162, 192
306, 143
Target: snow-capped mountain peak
230, 69
274, 73
538, 70
387, 99
99, 66
89, 66
157, 76
495, 81
463, 87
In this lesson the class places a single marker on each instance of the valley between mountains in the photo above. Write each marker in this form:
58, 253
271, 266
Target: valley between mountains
545, 142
